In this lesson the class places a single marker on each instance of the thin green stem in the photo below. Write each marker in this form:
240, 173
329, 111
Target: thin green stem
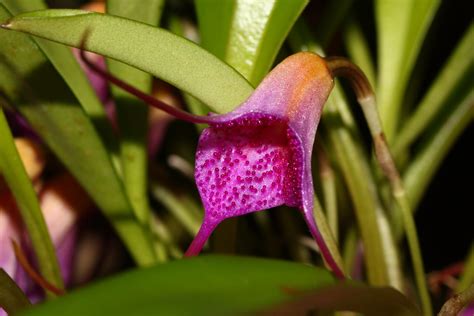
366, 98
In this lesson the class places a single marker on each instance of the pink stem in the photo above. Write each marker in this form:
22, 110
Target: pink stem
325, 253
201, 238
183, 115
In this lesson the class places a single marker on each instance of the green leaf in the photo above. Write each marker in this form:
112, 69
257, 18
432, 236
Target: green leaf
456, 74
256, 32
401, 28
205, 285
180, 27
12, 299
12, 169
34, 87
215, 20
132, 114
424, 165
358, 49
355, 297
65, 63
162, 54
380, 251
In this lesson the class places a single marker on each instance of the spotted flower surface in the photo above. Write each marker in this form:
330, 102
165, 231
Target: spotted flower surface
259, 155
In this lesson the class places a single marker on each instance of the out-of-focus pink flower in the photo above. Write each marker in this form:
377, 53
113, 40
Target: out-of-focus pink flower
63, 203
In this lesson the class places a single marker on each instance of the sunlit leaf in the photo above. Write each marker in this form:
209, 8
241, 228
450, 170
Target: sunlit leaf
162, 54
252, 32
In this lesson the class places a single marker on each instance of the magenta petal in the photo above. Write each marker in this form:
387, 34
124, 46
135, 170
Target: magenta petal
259, 155
248, 164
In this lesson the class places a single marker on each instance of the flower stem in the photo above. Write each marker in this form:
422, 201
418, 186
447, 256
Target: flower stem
177, 113
366, 98
202, 236
35, 276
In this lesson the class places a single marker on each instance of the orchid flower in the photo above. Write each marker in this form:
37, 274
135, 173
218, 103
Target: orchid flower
258, 156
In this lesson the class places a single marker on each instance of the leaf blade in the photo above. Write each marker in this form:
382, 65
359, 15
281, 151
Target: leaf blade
188, 70
12, 299
132, 114
257, 31
208, 285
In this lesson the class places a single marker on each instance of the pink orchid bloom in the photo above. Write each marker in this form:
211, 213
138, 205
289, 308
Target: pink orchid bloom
259, 155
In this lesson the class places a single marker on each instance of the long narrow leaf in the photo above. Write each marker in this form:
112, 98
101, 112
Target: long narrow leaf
427, 161
12, 169
257, 31
401, 28
458, 70
215, 20
132, 114
358, 49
